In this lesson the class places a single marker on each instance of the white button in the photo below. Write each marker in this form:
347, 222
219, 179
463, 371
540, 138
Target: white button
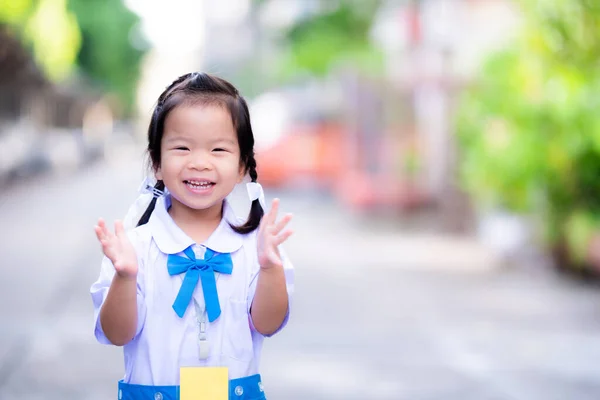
239, 390
158, 396
120, 394
260, 387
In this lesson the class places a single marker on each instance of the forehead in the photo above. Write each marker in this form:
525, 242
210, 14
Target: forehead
200, 121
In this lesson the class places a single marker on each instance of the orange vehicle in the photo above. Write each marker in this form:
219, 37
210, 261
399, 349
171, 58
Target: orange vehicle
326, 156
308, 154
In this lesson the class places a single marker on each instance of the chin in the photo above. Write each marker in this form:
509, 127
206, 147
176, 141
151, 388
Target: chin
199, 205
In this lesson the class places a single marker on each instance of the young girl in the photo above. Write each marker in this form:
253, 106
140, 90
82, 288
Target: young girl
192, 285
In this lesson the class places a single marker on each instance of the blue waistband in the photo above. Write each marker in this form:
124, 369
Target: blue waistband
248, 388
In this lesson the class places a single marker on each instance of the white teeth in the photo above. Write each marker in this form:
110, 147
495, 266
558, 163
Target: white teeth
199, 185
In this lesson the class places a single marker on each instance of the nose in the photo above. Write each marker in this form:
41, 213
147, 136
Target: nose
200, 160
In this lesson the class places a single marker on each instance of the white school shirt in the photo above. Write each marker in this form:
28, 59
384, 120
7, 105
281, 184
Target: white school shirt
164, 342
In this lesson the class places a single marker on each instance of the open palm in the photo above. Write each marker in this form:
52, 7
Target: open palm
270, 236
118, 248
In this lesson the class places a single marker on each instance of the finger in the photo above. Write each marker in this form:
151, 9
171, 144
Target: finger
101, 238
272, 215
103, 241
99, 233
106, 232
102, 226
282, 237
119, 230
281, 224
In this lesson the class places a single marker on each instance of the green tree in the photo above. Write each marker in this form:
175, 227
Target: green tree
529, 129
97, 37
48, 29
111, 49
338, 35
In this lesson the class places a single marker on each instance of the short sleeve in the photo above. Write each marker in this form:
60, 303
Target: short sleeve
99, 291
288, 269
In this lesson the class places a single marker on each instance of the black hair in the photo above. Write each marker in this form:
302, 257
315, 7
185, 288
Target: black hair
202, 88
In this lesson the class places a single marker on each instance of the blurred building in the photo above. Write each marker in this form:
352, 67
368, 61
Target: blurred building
438, 47
433, 49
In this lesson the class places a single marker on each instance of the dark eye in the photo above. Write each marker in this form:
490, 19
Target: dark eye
219, 149
181, 148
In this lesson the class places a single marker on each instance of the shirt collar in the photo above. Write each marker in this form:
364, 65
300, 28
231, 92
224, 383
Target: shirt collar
170, 239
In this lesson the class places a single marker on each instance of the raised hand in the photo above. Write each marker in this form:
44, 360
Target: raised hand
270, 236
118, 248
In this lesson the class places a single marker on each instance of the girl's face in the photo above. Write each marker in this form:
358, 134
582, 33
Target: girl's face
200, 157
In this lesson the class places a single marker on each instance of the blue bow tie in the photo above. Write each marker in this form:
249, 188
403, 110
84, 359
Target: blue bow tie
199, 269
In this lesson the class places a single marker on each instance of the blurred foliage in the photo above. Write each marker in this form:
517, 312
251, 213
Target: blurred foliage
48, 29
529, 129
16, 12
108, 55
336, 36
94, 37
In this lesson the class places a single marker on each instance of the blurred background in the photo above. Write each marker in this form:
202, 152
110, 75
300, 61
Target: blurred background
441, 158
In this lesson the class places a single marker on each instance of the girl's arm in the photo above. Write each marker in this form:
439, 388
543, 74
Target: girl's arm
118, 315
270, 304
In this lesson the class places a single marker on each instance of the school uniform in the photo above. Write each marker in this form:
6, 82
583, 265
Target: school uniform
164, 341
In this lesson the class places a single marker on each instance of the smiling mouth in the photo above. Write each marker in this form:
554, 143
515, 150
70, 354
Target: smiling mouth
199, 185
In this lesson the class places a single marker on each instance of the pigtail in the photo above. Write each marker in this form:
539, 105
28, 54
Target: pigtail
256, 210
160, 185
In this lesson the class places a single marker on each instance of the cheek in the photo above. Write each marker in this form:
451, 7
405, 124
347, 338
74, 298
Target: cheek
169, 166
232, 169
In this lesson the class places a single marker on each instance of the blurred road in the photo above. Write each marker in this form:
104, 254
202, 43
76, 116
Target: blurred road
378, 315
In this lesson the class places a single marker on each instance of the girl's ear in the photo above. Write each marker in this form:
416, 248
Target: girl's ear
158, 174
